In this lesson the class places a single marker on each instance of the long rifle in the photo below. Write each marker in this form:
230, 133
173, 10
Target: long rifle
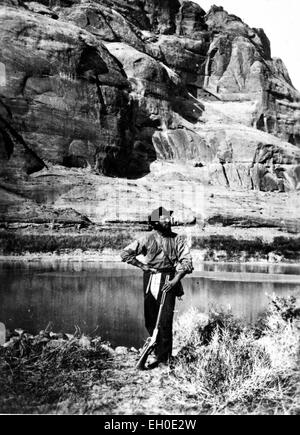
151, 341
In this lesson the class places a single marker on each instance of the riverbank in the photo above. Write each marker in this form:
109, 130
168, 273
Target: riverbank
104, 243
220, 366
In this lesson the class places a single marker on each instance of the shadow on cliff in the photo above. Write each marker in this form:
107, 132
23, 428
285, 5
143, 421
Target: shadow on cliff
132, 156
16, 158
136, 160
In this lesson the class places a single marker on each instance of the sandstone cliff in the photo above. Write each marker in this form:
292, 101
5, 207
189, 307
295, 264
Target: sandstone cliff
111, 86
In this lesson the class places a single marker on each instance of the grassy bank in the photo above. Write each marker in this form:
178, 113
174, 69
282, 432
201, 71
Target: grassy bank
234, 248
212, 246
18, 243
222, 366
37, 373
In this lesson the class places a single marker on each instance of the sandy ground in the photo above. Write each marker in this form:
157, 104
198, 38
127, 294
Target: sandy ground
125, 390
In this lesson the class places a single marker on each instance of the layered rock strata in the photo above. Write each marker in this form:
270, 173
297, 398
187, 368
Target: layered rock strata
110, 86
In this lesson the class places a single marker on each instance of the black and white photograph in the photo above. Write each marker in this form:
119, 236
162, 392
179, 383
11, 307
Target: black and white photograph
149, 210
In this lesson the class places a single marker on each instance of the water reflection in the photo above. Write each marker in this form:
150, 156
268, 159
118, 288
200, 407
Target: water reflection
272, 268
107, 299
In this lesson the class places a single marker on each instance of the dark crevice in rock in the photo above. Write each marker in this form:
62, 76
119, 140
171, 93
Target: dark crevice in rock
91, 65
23, 84
117, 38
75, 162
7, 141
225, 175
277, 95
294, 139
6, 108
103, 111
260, 123
34, 163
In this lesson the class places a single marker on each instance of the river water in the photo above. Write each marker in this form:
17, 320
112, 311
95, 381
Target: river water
106, 299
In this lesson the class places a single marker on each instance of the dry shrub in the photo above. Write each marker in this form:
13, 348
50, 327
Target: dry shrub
223, 366
46, 369
185, 328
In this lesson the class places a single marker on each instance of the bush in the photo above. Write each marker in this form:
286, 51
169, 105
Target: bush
223, 364
48, 368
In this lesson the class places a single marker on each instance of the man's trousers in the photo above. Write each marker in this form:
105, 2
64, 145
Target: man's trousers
163, 349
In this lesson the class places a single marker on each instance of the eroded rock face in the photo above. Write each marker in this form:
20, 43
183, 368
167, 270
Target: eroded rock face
17, 160
62, 85
216, 55
41, 9
161, 103
190, 20
112, 85
240, 67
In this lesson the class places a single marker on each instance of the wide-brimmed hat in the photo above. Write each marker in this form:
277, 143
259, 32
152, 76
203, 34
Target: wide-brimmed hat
158, 212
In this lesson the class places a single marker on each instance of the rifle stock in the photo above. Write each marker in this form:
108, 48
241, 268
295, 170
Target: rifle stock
147, 349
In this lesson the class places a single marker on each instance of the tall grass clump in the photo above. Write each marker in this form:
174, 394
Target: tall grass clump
227, 367
38, 372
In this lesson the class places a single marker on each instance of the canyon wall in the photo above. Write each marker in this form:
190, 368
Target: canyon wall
110, 86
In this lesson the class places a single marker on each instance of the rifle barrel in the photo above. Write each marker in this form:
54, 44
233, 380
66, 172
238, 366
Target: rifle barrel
151, 343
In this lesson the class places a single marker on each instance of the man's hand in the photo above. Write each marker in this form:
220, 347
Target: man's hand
171, 284
146, 268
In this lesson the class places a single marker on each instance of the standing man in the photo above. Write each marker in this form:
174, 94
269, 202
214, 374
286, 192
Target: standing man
167, 261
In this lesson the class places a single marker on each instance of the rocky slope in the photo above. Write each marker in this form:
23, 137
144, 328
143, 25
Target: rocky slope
110, 86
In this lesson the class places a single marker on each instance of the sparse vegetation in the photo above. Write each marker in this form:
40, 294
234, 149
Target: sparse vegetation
16, 243
223, 367
49, 368
287, 247
97, 239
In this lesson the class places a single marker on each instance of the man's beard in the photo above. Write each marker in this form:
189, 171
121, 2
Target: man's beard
162, 228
